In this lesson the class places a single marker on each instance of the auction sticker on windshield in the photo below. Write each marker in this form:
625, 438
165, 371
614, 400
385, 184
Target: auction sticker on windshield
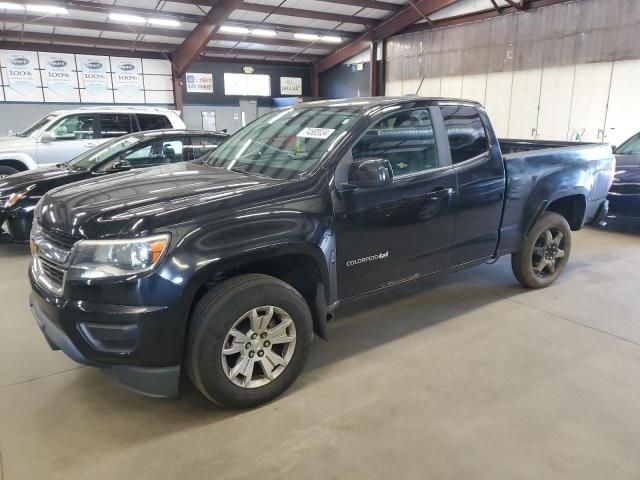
321, 133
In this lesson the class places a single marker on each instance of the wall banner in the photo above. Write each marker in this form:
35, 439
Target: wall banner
199, 82
21, 71
94, 74
58, 71
290, 86
127, 78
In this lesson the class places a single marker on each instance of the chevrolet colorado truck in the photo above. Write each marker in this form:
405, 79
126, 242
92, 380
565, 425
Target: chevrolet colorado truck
225, 268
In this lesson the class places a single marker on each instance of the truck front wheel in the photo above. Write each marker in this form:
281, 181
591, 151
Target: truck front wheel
545, 252
248, 341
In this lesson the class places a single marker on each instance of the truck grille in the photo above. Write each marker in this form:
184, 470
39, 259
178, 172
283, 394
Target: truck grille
54, 272
60, 239
50, 265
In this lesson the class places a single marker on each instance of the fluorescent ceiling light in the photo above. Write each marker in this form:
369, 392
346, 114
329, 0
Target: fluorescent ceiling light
47, 9
123, 17
330, 39
231, 29
164, 22
307, 36
263, 33
11, 6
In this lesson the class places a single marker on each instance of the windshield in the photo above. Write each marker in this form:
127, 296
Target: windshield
97, 155
630, 147
36, 126
285, 143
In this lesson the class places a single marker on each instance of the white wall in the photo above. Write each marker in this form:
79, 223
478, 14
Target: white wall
596, 102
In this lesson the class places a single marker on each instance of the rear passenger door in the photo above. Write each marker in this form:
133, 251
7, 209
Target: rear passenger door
389, 234
481, 182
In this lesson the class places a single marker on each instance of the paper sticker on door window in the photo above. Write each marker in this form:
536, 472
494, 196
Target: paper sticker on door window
321, 133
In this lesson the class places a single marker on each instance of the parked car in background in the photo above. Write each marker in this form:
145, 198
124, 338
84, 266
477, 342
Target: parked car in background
624, 195
64, 134
19, 193
224, 268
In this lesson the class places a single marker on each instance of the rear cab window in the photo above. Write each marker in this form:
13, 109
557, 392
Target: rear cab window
150, 121
466, 132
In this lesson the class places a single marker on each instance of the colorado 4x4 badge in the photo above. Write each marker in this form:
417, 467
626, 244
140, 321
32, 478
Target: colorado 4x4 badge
358, 261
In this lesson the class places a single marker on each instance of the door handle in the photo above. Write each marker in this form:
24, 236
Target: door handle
441, 192
89, 145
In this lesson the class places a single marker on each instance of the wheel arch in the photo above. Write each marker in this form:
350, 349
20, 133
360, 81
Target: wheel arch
302, 266
13, 163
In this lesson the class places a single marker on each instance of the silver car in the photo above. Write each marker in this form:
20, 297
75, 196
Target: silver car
65, 134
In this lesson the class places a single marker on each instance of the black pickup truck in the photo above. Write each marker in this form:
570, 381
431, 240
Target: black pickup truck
224, 269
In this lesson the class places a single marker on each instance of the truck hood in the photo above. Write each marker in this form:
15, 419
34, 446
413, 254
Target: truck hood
128, 204
12, 144
39, 181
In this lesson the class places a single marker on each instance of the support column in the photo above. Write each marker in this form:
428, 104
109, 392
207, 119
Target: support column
315, 81
177, 95
373, 69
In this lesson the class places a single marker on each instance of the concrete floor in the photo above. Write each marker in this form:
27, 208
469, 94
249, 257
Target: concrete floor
469, 377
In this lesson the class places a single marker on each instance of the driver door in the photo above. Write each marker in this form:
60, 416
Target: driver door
397, 232
72, 135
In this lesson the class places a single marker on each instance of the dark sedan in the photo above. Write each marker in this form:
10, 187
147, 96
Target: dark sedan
624, 195
19, 193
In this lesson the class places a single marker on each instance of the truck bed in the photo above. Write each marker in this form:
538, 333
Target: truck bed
509, 146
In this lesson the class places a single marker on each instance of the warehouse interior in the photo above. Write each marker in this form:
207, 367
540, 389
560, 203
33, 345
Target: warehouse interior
461, 376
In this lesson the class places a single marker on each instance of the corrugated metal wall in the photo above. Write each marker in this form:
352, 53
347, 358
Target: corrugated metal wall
559, 72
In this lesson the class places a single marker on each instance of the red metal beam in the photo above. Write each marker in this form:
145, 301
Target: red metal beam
388, 6
300, 13
386, 28
373, 69
197, 40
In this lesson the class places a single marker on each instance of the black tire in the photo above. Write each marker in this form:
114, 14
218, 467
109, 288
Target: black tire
214, 316
6, 171
527, 262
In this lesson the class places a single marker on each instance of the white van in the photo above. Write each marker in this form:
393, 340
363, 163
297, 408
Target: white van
65, 134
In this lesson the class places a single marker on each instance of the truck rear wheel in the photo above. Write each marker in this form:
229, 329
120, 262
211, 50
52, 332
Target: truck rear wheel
248, 341
545, 252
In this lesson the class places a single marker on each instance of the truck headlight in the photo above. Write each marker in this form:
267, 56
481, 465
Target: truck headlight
93, 259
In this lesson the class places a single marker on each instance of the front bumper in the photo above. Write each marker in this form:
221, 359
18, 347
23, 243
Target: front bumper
114, 338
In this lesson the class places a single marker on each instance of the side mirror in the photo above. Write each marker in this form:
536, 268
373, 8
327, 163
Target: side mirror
47, 137
370, 173
614, 148
120, 166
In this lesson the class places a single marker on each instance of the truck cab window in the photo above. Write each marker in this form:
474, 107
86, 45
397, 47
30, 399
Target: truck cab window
467, 136
405, 139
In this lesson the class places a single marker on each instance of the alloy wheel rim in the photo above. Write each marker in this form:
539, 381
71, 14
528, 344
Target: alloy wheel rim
548, 252
258, 347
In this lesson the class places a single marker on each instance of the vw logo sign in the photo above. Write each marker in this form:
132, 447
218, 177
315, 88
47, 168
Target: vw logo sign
127, 67
20, 61
94, 65
57, 63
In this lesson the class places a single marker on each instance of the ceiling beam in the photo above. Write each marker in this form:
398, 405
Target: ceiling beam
384, 29
300, 13
61, 41
281, 27
197, 40
82, 5
52, 21
142, 30
378, 5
